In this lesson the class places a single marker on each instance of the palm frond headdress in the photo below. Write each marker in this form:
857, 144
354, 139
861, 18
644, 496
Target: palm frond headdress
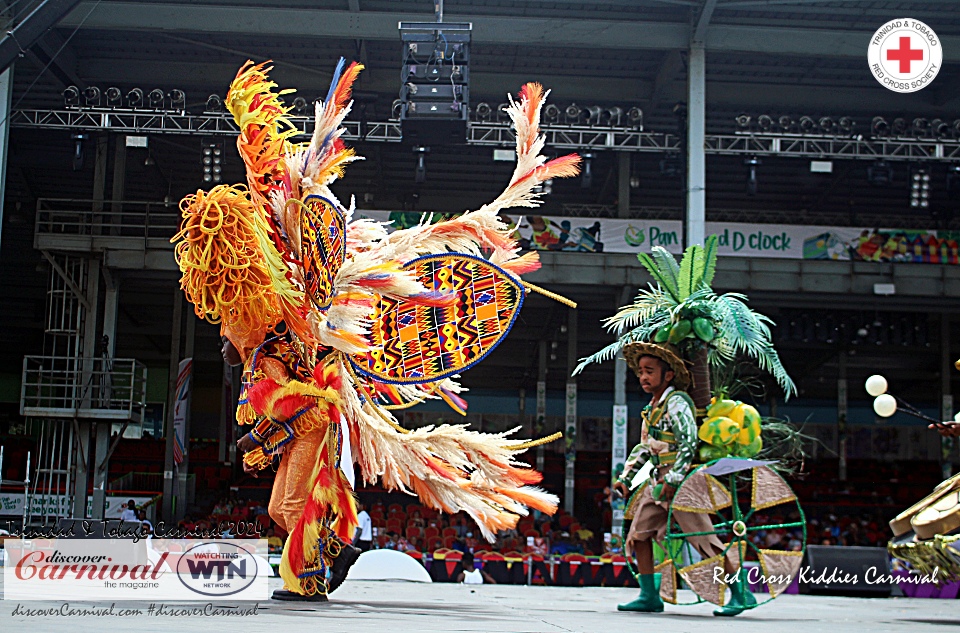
681, 308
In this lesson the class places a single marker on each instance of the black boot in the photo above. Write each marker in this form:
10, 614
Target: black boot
342, 564
292, 596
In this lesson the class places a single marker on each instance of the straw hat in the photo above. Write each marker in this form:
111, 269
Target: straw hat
667, 353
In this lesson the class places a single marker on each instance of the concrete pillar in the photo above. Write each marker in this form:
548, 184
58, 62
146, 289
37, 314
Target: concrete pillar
102, 430
541, 399
100, 176
695, 224
842, 418
169, 486
619, 431
623, 184
570, 418
183, 468
89, 388
119, 181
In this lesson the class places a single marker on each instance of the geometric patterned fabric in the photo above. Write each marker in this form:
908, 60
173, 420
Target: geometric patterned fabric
414, 344
323, 248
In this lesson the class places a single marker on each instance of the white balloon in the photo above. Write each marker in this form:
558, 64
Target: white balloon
885, 405
876, 385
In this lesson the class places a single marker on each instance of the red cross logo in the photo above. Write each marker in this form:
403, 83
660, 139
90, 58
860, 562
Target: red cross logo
905, 55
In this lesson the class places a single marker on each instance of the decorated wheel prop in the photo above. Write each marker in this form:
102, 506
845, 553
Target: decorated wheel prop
760, 500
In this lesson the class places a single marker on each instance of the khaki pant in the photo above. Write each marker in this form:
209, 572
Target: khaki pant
293, 485
650, 522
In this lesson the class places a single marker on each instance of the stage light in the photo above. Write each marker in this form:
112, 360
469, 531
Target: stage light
135, 98
807, 124
876, 385
572, 113
91, 96
396, 109
593, 115
155, 98
502, 115
215, 103
956, 128
953, 181
879, 173
920, 189
177, 99
921, 127
547, 187
420, 175
743, 122
751, 164
826, 125
586, 176
212, 160
846, 125
71, 96
765, 122
552, 113
940, 128
879, 126
78, 140
483, 111
113, 95
300, 106
635, 117
899, 126
613, 116
786, 123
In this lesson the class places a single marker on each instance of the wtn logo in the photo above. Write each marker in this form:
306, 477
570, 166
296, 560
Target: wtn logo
221, 569
224, 569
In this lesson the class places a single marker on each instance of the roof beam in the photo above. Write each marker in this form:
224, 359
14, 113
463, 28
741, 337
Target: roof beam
32, 28
703, 21
503, 29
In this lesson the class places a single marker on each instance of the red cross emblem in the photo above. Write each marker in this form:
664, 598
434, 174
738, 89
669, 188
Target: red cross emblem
905, 54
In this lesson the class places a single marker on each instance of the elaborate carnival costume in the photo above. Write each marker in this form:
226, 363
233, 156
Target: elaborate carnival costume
339, 321
684, 323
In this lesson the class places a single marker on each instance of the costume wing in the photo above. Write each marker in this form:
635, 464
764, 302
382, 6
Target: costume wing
323, 248
412, 343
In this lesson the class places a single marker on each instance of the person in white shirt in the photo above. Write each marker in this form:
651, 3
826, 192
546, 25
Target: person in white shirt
472, 576
130, 512
363, 538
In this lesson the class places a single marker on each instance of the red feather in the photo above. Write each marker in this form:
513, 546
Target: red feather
342, 94
259, 394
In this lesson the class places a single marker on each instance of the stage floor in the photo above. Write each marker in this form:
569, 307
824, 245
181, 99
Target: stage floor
395, 607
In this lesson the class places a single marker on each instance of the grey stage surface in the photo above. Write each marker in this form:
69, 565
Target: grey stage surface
395, 607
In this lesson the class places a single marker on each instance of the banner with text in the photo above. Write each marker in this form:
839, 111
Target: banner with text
609, 235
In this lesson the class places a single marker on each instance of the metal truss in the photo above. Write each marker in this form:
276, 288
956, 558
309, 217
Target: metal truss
818, 146
500, 134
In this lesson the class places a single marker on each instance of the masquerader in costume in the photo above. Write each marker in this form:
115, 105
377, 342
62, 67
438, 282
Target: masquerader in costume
670, 336
337, 321
668, 439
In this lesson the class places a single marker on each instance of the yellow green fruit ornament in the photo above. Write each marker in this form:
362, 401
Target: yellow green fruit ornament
719, 431
721, 407
679, 331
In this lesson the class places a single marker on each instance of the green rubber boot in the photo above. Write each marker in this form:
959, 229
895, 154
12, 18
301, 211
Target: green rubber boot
740, 599
649, 599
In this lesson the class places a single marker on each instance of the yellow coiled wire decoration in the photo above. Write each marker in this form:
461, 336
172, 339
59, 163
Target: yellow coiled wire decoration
218, 241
